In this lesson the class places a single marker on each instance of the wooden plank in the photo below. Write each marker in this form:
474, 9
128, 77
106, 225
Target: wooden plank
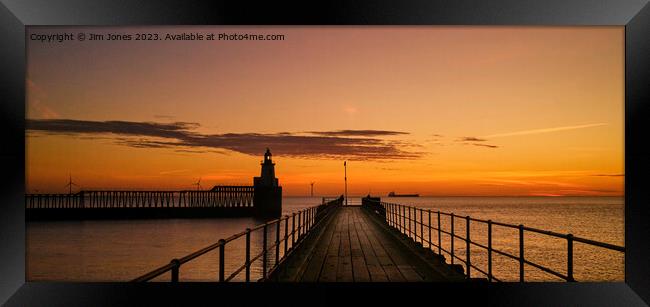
328, 273
295, 267
376, 271
359, 268
315, 264
408, 263
383, 255
355, 247
344, 268
401, 262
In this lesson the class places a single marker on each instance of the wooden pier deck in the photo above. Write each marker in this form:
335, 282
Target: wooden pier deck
355, 246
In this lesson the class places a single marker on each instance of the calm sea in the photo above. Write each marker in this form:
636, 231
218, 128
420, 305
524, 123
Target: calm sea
123, 250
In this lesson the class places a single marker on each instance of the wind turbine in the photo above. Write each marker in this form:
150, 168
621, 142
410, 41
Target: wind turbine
312, 188
70, 184
198, 184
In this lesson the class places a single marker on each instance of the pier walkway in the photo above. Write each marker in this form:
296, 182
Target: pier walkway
373, 242
353, 246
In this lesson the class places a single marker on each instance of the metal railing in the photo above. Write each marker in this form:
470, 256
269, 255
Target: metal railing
219, 196
404, 219
302, 222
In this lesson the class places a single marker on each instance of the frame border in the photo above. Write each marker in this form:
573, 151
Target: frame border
15, 15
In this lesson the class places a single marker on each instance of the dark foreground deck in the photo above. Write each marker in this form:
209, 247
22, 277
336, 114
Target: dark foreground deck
355, 246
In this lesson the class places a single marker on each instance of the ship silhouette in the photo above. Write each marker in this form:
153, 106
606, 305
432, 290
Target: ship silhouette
392, 194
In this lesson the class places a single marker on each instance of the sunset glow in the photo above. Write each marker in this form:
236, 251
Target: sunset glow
515, 111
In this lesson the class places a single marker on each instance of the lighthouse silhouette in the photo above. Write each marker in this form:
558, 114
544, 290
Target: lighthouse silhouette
268, 193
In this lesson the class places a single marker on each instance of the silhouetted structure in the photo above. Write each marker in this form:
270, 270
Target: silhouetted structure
268, 193
392, 194
264, 198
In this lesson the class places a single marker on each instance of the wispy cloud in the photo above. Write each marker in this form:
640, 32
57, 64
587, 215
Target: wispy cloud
357, 133
470, 140
545, 130
349, 144
178, 130
608, 175
484, 145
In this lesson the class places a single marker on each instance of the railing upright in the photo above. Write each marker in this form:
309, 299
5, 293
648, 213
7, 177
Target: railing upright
439, 235
421, 228
277, 242
569, 260
409, 209
299, 224
467, 247
222, 254
176, 264
388, 214
264, 251
404, 218
489, 250
452, 238
248, 254
521, 253
430, 240
286, 234
293, 230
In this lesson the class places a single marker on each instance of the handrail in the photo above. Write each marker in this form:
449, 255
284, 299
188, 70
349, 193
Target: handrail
399, 217
307, 219
219, 196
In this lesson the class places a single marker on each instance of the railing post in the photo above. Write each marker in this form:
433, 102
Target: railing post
489, 251
277, 242
264, 252
404, 218
293, 230
286, 233
409, 221
222, 253
299, 224
248, 254
394, 215
388, 213
439, 235
309, 220
421, 228
176, 266
467, 247
452, 238
398, 217
569, 260
429, 224
521, 253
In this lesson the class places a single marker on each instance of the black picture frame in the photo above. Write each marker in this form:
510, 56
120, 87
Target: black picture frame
15, 15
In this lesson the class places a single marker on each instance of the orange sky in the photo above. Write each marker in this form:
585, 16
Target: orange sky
429, 110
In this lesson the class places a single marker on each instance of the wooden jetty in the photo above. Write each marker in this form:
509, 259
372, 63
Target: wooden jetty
372, 242
354, 246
